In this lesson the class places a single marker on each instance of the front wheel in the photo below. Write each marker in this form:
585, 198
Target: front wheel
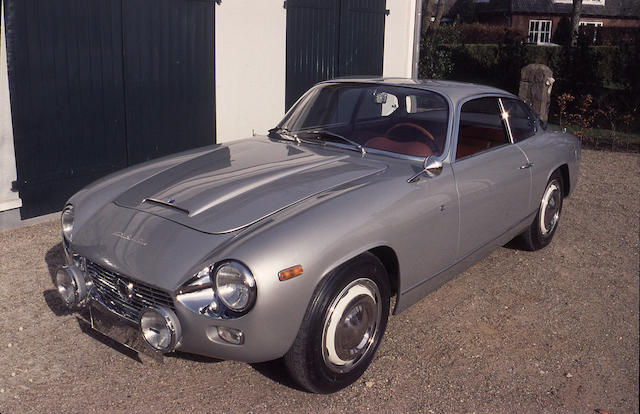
342, 328
541, 231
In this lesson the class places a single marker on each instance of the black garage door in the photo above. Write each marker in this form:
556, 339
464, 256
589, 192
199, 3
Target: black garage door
97, 85
331, 38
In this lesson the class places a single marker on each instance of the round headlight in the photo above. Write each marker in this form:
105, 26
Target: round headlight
235, 286
160, 328
67, 221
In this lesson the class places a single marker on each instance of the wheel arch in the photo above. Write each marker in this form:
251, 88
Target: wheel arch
566, 182
563, 170
384, 253
389, 260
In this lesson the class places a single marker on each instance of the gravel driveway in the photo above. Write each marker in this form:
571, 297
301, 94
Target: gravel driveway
549, 331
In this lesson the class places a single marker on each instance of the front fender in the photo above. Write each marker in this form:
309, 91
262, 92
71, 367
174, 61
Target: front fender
317, 238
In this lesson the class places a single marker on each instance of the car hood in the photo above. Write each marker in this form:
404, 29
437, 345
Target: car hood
236, 185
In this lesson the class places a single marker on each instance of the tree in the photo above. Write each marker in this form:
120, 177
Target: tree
427, 13
439, 12
575, 21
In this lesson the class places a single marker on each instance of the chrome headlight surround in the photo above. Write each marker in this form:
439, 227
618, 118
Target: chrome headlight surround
71, 286
225, 290
160, 328
67, 220
235, 286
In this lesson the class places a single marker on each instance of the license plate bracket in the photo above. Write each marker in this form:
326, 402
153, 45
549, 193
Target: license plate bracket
120, 330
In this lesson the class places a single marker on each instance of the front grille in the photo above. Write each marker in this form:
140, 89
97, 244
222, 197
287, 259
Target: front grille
106, 290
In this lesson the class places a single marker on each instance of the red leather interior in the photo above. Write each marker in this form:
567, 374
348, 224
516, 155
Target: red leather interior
484, 133
472, 139
414, 148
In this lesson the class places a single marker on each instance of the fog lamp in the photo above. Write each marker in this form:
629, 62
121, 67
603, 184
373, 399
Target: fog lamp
160, 328
71, 286
231, 335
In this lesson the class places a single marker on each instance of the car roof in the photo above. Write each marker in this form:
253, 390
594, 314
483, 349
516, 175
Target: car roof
456, 91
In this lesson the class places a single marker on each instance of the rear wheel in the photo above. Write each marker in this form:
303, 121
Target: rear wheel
342, 328
541, 231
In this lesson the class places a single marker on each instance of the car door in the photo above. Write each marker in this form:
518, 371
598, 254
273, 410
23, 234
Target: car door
491, 173
533, 141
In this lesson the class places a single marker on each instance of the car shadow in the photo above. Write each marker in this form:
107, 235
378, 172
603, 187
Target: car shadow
514, 244
86, 328
276, 371
55, 304
54, 258
193, 357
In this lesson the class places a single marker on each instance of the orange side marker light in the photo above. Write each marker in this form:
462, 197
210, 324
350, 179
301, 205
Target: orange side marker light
290, 273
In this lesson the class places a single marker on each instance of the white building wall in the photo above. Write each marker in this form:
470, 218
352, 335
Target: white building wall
398, 38
8, 199
251, 61
250, 67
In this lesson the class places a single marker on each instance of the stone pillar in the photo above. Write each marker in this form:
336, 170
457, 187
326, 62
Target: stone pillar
536, 81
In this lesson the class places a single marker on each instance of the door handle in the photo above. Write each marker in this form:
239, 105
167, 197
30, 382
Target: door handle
527, 165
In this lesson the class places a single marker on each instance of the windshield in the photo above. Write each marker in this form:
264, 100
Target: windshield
390, 118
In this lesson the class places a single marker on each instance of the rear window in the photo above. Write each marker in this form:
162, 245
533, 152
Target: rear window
522, 121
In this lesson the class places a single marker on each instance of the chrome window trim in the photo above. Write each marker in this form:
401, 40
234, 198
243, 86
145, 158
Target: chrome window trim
505, 120
394, 155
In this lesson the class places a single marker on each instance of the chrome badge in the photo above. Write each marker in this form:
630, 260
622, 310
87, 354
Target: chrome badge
125, 290
130, 238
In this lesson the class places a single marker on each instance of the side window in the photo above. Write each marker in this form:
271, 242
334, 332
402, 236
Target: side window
481, 127
522, 122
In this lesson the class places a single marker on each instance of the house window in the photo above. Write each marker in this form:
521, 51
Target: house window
584, 2
594, 24
539, 31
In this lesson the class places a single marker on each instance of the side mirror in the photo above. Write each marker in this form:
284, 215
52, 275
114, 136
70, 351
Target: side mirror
431, 167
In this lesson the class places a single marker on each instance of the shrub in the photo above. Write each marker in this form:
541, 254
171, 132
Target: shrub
583, 115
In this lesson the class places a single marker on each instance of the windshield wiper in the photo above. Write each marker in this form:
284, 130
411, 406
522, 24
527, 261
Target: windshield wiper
283, 133
326, 133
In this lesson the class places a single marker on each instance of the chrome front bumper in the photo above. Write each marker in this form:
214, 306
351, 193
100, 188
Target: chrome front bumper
113, 304
123, 331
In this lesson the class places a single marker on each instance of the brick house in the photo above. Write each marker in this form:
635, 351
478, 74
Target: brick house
543, 20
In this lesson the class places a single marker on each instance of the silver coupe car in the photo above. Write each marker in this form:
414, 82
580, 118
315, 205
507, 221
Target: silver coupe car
291, 245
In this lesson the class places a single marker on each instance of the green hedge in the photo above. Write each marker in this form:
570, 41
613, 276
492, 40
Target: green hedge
595, 66
610, 74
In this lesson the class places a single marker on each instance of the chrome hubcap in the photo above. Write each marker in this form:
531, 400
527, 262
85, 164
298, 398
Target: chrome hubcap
351, 325
550, 208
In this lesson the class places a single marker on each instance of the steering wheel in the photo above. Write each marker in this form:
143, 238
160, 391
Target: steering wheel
431, 141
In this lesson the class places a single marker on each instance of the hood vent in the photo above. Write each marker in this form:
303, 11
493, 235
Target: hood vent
166, 204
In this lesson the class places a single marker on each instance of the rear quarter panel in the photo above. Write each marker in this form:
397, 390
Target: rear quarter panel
548, 151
